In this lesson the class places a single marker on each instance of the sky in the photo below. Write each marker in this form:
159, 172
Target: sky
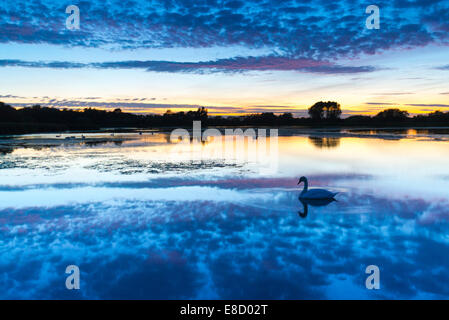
233, 57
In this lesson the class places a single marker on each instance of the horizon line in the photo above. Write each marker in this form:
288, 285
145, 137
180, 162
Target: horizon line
297, 113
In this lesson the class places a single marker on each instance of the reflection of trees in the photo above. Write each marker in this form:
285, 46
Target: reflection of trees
5, 150
325, 142
191, 140
95, 143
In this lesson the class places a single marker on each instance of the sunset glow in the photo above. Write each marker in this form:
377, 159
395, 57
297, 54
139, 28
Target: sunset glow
143, 60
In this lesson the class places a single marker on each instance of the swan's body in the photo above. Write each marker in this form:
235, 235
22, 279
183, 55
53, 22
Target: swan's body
317, 194
314, 194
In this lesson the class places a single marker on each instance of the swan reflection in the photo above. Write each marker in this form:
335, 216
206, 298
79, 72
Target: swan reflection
313, 203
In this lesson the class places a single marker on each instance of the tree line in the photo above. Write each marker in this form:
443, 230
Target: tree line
45, 119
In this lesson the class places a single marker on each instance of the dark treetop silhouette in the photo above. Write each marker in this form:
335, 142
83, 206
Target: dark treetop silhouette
323, 114
330, 110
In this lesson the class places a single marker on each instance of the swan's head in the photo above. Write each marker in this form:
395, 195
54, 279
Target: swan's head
302, 179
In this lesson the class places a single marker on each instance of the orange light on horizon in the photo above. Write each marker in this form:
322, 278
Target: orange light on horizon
229, 110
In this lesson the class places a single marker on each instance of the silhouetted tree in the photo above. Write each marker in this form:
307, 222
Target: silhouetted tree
286, 116
392, 114
316, 111
333, 110
330, 110
46, 119
201, 113
7, 113
438, 115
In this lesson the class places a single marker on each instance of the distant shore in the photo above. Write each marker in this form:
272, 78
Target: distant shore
37, 119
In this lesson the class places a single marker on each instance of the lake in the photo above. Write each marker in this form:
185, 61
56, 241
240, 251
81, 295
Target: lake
146, 217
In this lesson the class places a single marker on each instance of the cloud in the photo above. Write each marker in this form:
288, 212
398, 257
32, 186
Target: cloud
381, 103
238, 64
10, 96
312, 30
428, 105
393, 93
213, 256
140, 106
40, 64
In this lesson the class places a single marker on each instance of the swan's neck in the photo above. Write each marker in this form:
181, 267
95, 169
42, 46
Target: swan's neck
306, 186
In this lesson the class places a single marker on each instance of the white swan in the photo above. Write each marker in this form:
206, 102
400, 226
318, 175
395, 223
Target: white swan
314, 194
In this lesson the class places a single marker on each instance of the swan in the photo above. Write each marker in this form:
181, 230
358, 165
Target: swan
314, 194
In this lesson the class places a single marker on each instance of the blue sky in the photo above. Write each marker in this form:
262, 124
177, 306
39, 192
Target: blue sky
231, 56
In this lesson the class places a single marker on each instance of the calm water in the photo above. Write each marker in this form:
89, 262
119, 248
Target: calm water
148, 219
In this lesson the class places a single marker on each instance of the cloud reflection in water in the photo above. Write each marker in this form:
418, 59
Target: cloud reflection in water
214, 231
247, 247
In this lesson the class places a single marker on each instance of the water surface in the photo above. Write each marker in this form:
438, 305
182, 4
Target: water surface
146, 218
